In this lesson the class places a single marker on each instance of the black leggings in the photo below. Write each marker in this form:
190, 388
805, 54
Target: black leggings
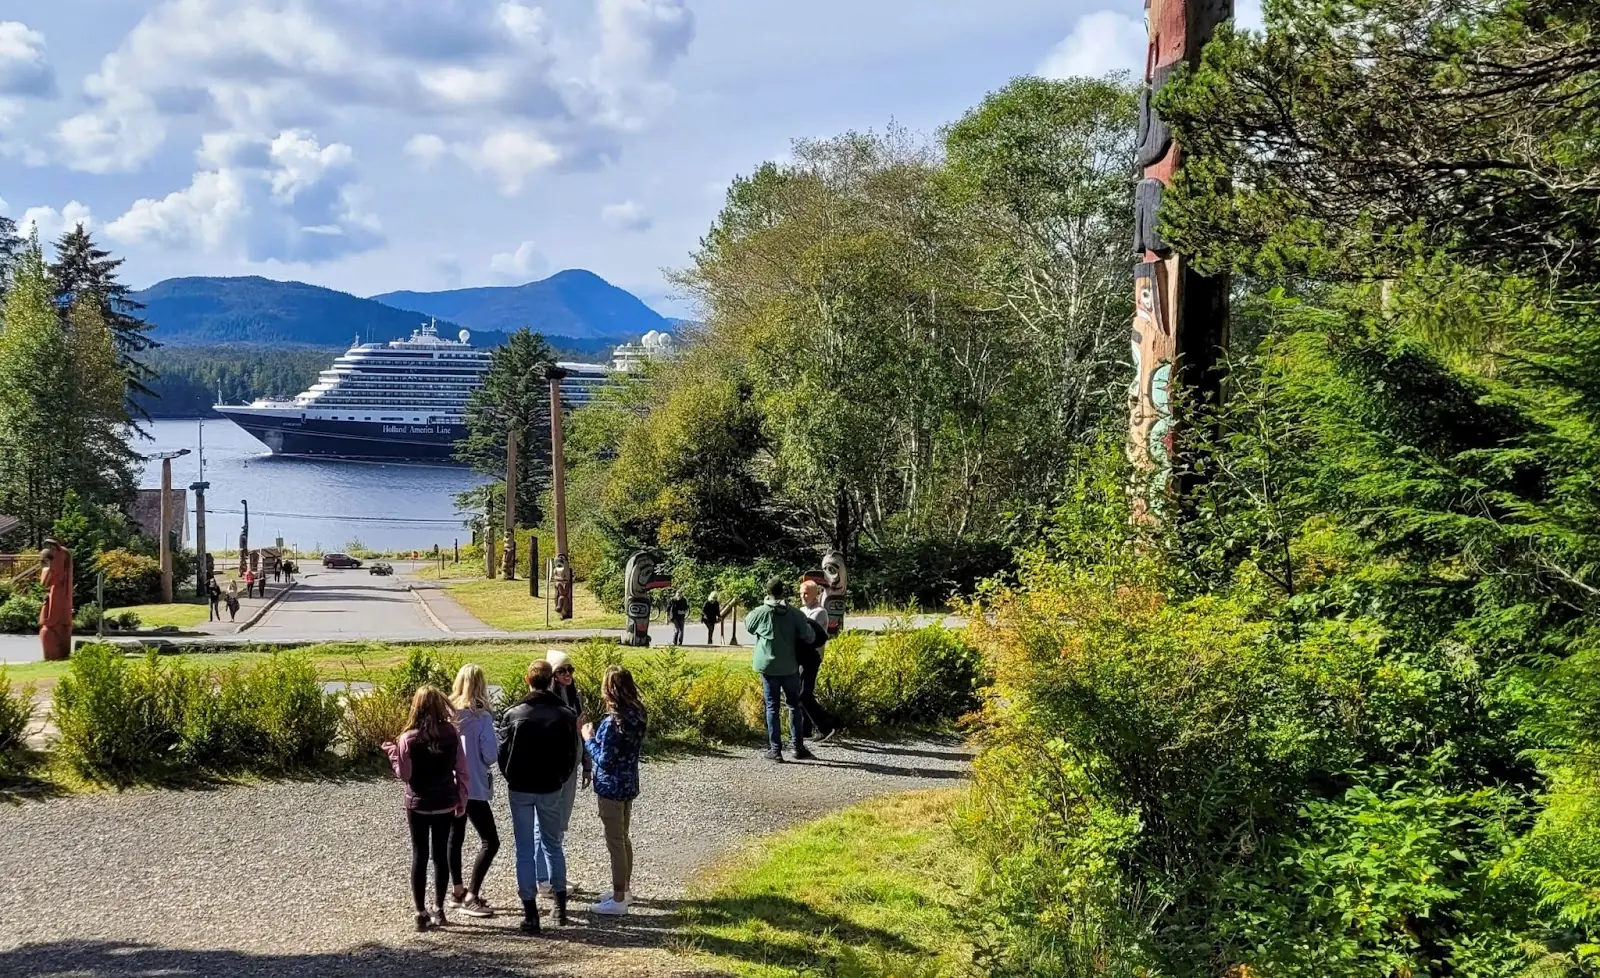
814, 717
430, 835
482, 817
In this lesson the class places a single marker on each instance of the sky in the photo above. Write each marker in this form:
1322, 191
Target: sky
376, 145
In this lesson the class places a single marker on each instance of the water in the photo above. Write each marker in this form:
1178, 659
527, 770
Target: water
314, 505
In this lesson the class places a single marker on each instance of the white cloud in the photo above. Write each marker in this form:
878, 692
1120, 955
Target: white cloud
52, 223
24, 69
626, 216
288, 198
427, 147
474, 67
518, 266
511, 155
1100, 43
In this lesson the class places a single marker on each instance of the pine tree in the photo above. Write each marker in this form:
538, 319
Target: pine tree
10, 249
82, 268
515, 391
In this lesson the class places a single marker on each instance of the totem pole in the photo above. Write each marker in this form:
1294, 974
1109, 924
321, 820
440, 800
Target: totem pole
561, 584
834, 590
1180, 318
55, 615
640, 579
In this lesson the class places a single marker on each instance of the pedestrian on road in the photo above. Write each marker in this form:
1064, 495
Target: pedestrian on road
429, 759
481, 746
213, 597
778, 630
249, 583
277, 571
615, 746
809, 653
678, 614
710, 614
537, 755
566, 689
233, 599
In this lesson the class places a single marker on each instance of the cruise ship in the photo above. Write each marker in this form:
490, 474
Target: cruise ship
405, 400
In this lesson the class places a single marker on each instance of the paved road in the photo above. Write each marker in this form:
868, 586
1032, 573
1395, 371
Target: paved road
344, 605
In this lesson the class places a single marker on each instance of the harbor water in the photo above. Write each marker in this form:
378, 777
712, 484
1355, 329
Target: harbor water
314, 505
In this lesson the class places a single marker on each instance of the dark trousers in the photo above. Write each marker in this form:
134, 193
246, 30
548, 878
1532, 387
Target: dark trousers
677, 630
430, 842
788, 688
482, 818
215, 614
816, 720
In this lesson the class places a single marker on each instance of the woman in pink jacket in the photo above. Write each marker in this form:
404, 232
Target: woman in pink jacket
430, 761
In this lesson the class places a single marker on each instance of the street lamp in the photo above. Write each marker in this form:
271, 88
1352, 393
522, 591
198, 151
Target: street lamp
162, 519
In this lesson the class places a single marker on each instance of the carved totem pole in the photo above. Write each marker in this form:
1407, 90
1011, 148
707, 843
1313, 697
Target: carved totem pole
1180, 318
55, 615
640, 579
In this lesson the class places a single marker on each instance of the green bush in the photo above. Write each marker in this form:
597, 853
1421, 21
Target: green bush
119, 720
16, 715
722, 701
371, 719
926, 675
421, 668
125, 621
131, 578
665, 679
123, 720
20, 614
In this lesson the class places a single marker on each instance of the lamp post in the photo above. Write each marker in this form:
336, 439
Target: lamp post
162, 519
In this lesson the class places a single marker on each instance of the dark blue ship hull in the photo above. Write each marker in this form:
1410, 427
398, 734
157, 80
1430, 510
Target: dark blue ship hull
366, 440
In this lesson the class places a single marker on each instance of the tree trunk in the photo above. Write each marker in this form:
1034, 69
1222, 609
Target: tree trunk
509, 547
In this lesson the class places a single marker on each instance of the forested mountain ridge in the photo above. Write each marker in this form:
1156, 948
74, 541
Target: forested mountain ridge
575, 310
572, 303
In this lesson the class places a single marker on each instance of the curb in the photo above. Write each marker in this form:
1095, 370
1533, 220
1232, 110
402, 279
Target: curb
437, 621
256, 618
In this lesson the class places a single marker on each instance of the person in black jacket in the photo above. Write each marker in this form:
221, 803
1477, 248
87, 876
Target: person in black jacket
538, 752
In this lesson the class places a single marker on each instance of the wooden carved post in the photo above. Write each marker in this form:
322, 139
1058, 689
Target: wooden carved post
1180, 318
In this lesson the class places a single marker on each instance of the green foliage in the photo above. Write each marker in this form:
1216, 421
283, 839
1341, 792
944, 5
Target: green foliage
16, 717
515, 393
423, 667
131, 578
188, 381
20, 614
123, 720
372, 719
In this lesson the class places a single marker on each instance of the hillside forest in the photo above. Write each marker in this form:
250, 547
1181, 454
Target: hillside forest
1333, 713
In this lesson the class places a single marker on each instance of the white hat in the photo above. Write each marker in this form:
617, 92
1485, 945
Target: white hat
557, 658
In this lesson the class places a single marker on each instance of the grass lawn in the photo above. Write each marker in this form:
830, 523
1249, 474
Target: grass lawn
184, 613
506, 605
873, 890
355, 660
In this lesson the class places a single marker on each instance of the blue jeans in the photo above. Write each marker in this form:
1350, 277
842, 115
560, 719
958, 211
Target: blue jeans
789, 686
536, 827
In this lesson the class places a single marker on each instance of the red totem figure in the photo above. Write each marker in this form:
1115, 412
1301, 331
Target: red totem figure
1180, 318
55, 617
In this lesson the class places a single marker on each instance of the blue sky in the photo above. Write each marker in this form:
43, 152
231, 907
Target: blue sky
373, 145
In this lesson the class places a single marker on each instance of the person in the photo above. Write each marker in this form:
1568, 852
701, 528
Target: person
615, 746
249, 583
233, 599
710, 614
678, 614
537, 755
214, 597
428, 758
809, 655
277, 571
777, 630
481, 747
566, 688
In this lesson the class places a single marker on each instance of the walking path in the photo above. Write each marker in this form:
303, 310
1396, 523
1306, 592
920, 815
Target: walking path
353, 605
309, 878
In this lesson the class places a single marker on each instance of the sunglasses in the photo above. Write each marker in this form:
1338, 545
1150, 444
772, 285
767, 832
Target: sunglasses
564, 671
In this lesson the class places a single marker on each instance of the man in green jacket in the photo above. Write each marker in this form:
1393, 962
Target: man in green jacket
778, 630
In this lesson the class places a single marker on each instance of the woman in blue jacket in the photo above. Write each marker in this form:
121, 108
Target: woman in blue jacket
615, 746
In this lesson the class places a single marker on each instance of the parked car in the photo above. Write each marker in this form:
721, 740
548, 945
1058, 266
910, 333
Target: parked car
381, 567
339, 560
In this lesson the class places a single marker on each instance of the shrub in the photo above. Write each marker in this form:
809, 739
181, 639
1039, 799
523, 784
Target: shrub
372, 718
16, 714
590, 660
924, 676
131, 578
291, 721
665, 679
119, 720
125, 621
421, 668
723, 701
20, 614
845, 682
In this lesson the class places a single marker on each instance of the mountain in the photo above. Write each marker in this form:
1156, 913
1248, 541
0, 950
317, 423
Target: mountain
573, 303
254, 310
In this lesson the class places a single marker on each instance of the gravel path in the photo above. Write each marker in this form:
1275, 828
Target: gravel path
309, 878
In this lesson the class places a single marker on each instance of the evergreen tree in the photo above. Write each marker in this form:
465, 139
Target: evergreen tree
10, 248
81, 269
515, 392
62, 411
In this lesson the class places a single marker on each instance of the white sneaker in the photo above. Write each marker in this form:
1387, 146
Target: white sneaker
544, 889
609, 907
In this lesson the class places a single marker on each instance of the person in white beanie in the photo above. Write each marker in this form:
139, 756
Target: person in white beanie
566, 689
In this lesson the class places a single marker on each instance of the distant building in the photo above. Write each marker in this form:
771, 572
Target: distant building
147, 513
582, 382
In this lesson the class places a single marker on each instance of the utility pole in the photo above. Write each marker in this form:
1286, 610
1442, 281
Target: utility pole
164, 519
200, 536
1180, 318
558, 485
244, 537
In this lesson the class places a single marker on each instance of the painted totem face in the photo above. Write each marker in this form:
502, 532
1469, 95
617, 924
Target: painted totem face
833, 571
641, 568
